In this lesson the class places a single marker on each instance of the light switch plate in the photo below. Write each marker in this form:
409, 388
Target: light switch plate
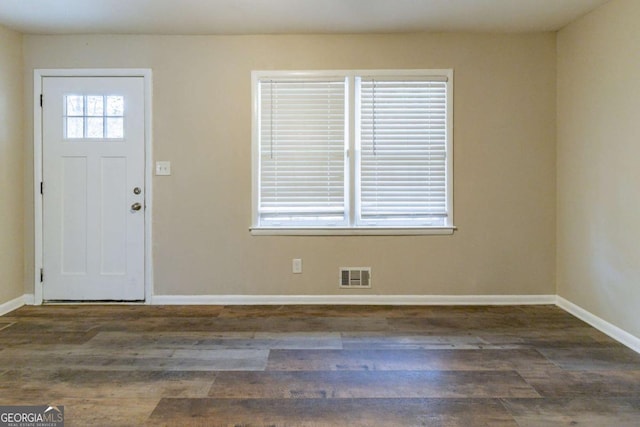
163, 168
296, 267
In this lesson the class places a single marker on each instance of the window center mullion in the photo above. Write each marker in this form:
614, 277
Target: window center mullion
350, 172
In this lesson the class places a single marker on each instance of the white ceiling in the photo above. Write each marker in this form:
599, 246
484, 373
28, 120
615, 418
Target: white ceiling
288, 16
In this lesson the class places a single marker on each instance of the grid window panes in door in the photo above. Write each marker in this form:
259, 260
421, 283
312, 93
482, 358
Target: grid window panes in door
352, 150
94, 117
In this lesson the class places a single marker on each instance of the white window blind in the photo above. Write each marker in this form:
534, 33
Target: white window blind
302, 151
402, 133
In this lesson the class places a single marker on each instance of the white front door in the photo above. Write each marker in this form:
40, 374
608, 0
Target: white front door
93, 137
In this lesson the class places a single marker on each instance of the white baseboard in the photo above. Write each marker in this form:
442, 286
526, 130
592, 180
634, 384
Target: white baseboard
9, 306
602, 325
353, 299
29, 299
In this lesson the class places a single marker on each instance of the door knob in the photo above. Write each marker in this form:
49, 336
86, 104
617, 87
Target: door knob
136, 206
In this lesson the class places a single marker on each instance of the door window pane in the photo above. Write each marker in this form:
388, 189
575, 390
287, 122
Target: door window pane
75, 127
95, 105
115, 127
75, 105
95, 127
115, 106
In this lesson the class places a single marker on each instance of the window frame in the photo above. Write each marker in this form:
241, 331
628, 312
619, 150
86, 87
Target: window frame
85, 117
352, 156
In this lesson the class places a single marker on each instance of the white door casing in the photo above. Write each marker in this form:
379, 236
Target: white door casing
93, 239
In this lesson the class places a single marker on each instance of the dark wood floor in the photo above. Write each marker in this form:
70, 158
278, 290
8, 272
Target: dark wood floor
317, 365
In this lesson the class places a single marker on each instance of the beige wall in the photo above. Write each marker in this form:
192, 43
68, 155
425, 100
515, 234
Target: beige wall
11, 166
505, 101
599, 163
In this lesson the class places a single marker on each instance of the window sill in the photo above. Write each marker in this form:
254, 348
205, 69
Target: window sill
358, 231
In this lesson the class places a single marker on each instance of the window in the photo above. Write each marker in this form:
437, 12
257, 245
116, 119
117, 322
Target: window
94, 117
352, 152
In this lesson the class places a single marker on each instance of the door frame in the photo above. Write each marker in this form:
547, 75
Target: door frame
38, 75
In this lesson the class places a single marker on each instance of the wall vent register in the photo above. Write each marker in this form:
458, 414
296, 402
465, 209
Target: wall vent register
355, 277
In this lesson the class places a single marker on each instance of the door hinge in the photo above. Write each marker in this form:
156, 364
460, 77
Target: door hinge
41, 275
40, 100
41, 187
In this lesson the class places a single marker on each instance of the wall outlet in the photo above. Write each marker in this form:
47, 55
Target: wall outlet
297, 266
163, 168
